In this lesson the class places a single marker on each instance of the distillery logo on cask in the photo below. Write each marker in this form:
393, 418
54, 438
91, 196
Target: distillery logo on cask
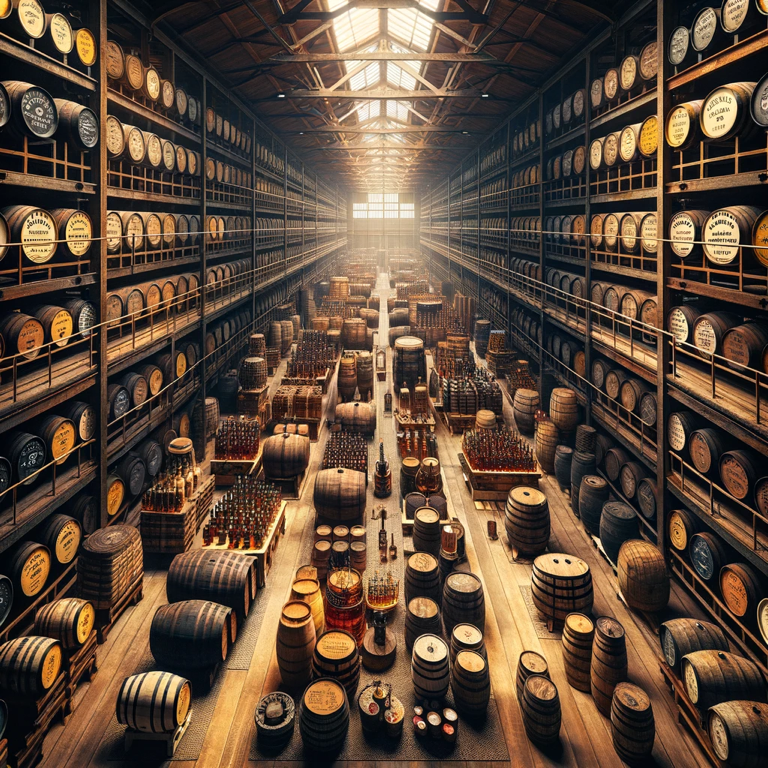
38, 233
649, 136
115, 137
114, 232
39, 113
134, 138
733, 13
61, 33
134, 72
721, 237
648, 62
680, 328
679, 42
725, 111
152, 84
611, 84
77, 233
35, 571
704, 29
88, 128
611, 149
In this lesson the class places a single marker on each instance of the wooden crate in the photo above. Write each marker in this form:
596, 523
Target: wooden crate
265, 554
458, 422
249, 401
494, 486
226, 470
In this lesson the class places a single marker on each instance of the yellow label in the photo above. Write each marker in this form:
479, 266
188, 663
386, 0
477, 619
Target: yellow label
6, 8
115, 496
51, 666
78, 233
181, 365
324, 697
155, 381
61, 33
182, 705
649, 137
61, 330
35, 572
678, 126
85, 622
68, 540
86, 46
677, 532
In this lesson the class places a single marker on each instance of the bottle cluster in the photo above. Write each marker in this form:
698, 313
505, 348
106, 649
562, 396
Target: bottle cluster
348, 450
418, 443
472, 392
382, 590
521, 379
442, 318
172, 488
502, 451
242, 518
311, 357
237, 438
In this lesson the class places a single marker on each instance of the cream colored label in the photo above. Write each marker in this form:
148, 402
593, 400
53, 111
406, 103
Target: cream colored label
704, 28
86, 427
704, 337
649, 64
134, 71
153, 229
628, 73
578, 103
627, 144
629, 233
86, 47
68, 540
115, 63
169, 229
34, 572
649, 233
611, 148
719, 737
611, 84
678, 126
169, 156
115, 136
136, 146
31, 17
182, 102
610, 231
675, 431
169, 94
78, 233
134, 231
733, 13
153, 84
596, 92
154, 150
679, 328
596, 154
682, 233
37, 235
719, 113
114, 231
691, 683
61, 33
678, 45
61, 328
721, 237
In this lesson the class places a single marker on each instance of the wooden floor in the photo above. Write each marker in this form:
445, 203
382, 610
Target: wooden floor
585, 734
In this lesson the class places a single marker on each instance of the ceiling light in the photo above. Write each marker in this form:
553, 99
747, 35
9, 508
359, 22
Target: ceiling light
466, 133
280, 95
484, 95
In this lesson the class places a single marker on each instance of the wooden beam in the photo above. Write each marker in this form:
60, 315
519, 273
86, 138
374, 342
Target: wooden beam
401, 147
379, 94
382, 131
322, 58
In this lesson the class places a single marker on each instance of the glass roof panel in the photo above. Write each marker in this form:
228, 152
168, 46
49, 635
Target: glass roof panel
354, 27
399, 78
411, 27
366, 78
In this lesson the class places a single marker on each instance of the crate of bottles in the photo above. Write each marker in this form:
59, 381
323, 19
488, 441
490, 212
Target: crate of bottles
237, 451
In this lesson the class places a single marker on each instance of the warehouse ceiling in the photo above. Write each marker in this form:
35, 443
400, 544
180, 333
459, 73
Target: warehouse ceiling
384, 93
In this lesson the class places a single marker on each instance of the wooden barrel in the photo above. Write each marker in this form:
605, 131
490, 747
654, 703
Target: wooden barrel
422, 577
28, 566
59, 435
712, 677
137, 387
22, 335
633, 729
357, 417
33, 112
738, 731
578, 634
618, 524
632, 473
739, 471
679, 637
681, 526
224, 577
526, 403
725, 231
725, 111
613, 381
540, 710
426, 530
324, 716
743, 345
339, 494
337, 657
463, 601
741, 589
285, 456
527, 521
582, 464
707, 555
643, 578
154, 702
61, 535
151, 453
706, 446
430, 667
133, 472
593, 494
647, 497
422, 618
30, 665
69, 620
561, 584
467, 637
563, 462
192, 634
308, 590
295, 644
609, 662
470, 683
547, 439
563, 409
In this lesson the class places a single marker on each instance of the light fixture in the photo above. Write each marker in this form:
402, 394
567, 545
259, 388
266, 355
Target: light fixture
280, 95
484, 95
466, 133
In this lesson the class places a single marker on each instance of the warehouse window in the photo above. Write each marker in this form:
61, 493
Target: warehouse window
382, 205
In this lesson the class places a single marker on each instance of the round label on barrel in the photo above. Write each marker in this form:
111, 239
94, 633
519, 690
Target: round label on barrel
678, 126
734, 592
38, 231
168, 94
181, 102
115, 136
155, 381
77, 233
193, 110
154, 150
35, 571
700, 453
649, 136
62, 441
718, 735
760, 238
61, 327
628, 72
668, 646
153, 228
182, 703
169, 156
733, 13
596, 92
649, 233
39, 112
115, 496
611, 232
629, 234
704, 28
627, 143
701, 558
736, 346
578, 103
85, 622
682, 233
648, 62
611, 148
611, 84
181, 159
704, 337
324, 697
68, 541
169, 235
579, 160
5, 110
88, 128
134, 231
51, 666
31, 17
678, 45
734, 477
181, 364
719, 112
691, 683
678, 532
136, 147
422, 562
61, 33
121, 403
675, 429
335, 645
86, 424
115, 63
85, 43
134, 71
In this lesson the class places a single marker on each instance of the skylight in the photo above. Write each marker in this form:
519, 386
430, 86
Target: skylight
397, 110
367, 110
411, 27
366, 78
355, 27
399, 78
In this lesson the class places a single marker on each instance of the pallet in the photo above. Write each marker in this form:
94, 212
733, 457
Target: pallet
171, 740
227, 470
494, 486
106, 617
265, 554
81, 664
688, 715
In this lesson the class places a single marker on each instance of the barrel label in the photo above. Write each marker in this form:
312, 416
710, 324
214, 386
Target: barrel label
5, 111
629, 234
627, 143
61, 326
85, 43
579, 157
34, 572
115, 496
649, 233
611, 232
115, 62
31, 17
691, 683
181, 364
678, 534
39, 112
134, 230
169, 156
182, 703
700, 453
334, 645
649, 136
324, 698
718, 735
648, 62
136, 147
678, 126
169, 234
628, 74
154, 150
121, 403
596, 92
721, 237
168, 93
88, 128
61, 33
734, 593
68, 541
704, 28
219, 125
611, 148
181, 159
85, 622
702, 560
193, 110
678, 326
38, 233
86, 425
152, 83
760, 238
733, 13
115, 136
51, 666
611, 87
760, 102
578, 103
719, 113
734, 477
736, 346
154, 231
668, 644
181, 102
77, 233
678, 45
63, 440
134, 71
682, 233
